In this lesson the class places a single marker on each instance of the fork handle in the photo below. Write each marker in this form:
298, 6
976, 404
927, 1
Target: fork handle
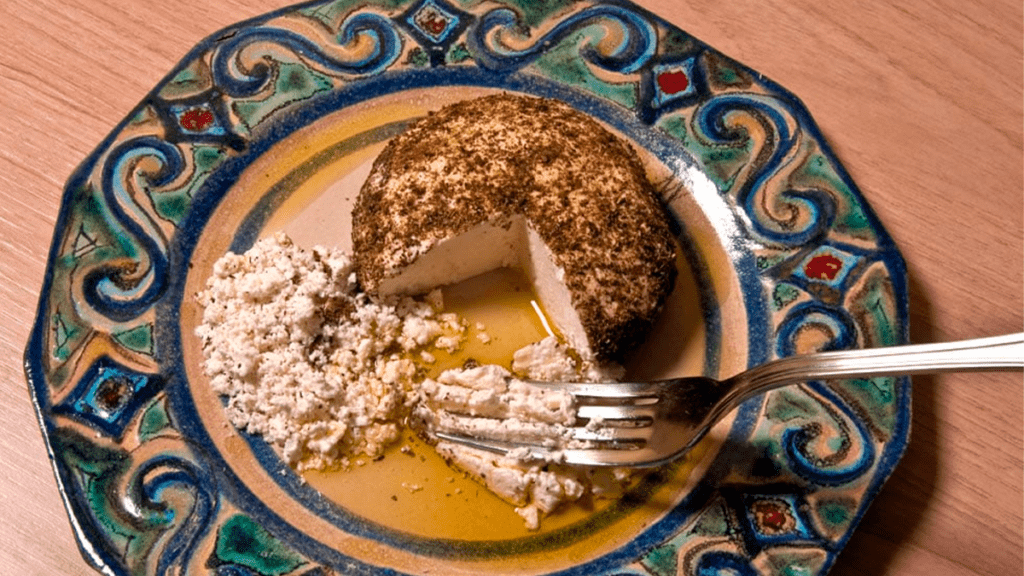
996, 353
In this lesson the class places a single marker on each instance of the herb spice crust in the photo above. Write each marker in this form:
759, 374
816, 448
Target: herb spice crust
583, 190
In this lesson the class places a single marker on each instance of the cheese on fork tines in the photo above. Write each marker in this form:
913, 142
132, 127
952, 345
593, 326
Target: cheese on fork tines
492, 402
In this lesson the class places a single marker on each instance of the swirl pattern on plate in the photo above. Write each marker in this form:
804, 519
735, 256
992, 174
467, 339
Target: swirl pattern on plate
103, 361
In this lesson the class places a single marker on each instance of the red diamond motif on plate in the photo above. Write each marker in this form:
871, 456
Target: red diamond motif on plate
773, 517
823, 267
433, 22
673, 82
196, 119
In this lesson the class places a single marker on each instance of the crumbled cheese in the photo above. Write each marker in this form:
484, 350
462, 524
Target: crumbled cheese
436, 299
535, 489
490, 391
306, 360
412, 488
491, 402
549, 360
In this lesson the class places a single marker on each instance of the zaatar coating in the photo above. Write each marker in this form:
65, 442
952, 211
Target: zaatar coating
581, 188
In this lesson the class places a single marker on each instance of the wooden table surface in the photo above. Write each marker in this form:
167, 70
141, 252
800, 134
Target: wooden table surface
922, 102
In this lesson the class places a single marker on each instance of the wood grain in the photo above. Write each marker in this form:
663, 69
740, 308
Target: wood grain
921, 101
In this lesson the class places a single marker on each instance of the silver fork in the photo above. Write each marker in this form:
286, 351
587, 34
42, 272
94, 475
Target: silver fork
643, 424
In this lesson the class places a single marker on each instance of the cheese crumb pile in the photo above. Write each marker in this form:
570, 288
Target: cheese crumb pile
307, 361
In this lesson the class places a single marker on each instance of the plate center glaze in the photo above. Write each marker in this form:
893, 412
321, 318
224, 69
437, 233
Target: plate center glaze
305, 186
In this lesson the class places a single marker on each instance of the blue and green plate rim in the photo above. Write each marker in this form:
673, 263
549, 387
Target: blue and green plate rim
174, 380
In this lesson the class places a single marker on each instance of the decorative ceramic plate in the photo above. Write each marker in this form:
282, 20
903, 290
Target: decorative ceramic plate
271, 125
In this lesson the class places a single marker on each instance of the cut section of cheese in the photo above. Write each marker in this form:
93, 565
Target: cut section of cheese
509, 180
